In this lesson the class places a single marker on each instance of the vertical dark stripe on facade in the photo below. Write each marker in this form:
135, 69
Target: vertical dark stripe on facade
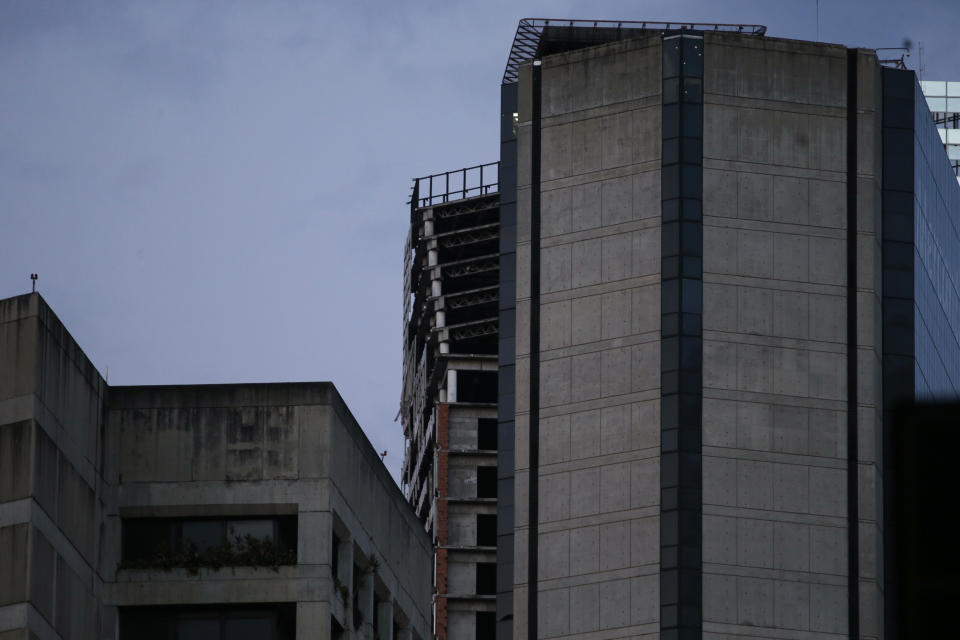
506, 356
681, 358
899, 351
853, 466
534, 431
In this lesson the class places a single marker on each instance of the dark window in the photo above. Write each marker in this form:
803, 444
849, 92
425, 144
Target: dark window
486, 625
476, 386
487, 433
486, 482
487, 578
486, 530
165, 542
335, 556
336, 631
255, 622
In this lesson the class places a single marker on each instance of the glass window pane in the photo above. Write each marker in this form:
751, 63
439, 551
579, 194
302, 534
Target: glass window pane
953, 89
249, 628
671, 90
692, 115
937, 104
953, 105
671, 57
203, 534
693, 57
198, 629
671, 120
671, 151
142, 539
933, 88
240, 529
692, 90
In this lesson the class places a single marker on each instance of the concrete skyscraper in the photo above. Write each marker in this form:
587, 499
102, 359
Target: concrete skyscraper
726, 262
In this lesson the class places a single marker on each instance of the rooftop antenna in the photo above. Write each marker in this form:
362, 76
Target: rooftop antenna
818, 20
33, 277
898, 63
383, 454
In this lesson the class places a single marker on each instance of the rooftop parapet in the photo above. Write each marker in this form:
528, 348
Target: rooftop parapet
534, 33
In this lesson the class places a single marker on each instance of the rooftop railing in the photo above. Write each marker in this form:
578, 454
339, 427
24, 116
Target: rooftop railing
469, 182
526, 43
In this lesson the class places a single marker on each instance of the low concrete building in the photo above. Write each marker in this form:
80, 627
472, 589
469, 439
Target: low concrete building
232, 511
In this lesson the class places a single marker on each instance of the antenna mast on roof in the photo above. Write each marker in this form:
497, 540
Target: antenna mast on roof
818, 20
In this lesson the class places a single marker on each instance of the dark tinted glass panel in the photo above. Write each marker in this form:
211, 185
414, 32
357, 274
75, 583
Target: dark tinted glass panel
692, 208
671, 58
670, 239
249, 629
670, 294
692, 296
144, 538
692, 267
486, 578
692, 240
691, 181
248, 622
692, 124
691, 150
671, 151
671, 120
670, 210
198, 629
202, 534
692, 89
486, 482
671, 90
692, 57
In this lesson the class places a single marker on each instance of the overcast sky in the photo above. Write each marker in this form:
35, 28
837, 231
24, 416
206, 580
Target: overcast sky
216, 191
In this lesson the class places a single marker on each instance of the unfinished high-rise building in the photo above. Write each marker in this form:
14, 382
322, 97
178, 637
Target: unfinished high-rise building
449, 397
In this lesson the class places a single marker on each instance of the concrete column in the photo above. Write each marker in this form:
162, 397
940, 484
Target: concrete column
451, 385
344, 575
385, 620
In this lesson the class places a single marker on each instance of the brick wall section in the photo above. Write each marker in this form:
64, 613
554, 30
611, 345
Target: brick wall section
443, 491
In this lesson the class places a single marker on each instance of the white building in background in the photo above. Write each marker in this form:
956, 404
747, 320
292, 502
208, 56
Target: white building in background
943, 98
